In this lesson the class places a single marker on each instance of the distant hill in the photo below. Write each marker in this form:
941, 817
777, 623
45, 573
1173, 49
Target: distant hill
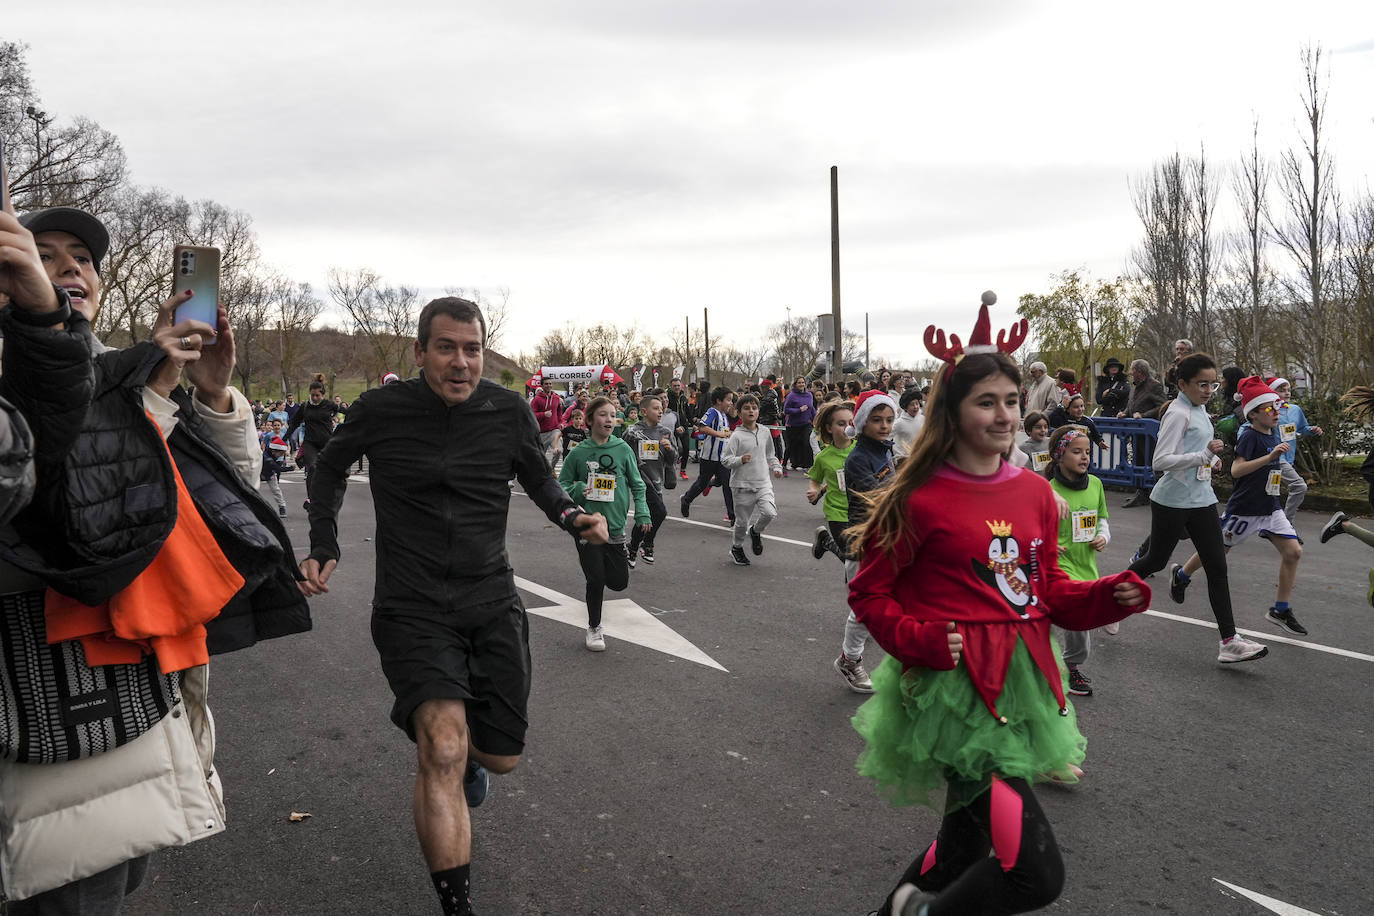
493, 364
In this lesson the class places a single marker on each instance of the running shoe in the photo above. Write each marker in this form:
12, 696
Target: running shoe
852, 670
820, 542
1286, 620
685, 505
1080, 685
737, 554
306, 504
907, 900
682, 474
755, 542
631, 558
1177, 587
1113, 628
596, 640
784, 472
1240, 649
647, 553
1334, 527
475, 784
281, 510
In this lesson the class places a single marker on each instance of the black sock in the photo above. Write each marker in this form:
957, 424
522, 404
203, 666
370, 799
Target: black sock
452, 887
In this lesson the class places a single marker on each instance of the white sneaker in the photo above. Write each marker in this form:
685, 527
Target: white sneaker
1241, 649
595, 641
1112, 628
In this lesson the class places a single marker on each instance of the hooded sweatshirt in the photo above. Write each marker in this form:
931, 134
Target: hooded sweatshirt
617, 459
652, 468
758, 473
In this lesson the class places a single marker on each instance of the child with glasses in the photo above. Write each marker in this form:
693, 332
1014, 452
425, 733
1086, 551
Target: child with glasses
1254, 504
1183, 502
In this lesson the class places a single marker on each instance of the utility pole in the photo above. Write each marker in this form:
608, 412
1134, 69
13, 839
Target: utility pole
866, 362
836, 359
706, 325
686, 348
40, 121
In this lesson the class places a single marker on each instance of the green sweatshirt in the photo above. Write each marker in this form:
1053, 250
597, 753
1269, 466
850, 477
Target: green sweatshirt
616, 460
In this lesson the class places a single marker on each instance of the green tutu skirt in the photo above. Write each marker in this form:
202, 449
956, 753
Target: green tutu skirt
928, 729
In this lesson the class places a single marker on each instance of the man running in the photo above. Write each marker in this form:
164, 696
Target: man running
446, 619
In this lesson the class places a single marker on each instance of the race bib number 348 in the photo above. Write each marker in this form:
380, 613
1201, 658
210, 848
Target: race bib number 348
601, 488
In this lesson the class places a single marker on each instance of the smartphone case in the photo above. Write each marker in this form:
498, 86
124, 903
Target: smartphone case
196, 268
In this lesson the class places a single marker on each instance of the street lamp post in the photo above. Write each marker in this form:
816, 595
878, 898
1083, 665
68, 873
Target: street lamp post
40, 121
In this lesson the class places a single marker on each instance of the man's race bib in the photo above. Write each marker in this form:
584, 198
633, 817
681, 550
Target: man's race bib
1272, 486
648, 451
839, 478
600, 488
1040, 461
1204, 472
1288, 431
1084, 525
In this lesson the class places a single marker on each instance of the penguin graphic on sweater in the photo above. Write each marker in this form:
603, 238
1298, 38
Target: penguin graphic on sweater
1004, 570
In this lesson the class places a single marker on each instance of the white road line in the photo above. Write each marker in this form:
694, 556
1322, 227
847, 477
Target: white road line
1266, 637
1269, 903
1207, 624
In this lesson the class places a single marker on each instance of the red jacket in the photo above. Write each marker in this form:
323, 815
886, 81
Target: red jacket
548, 410
983, 554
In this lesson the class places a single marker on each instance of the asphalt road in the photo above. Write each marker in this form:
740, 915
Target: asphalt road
658, 785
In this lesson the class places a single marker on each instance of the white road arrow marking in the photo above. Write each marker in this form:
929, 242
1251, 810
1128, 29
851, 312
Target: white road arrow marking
1269, 903
623, 619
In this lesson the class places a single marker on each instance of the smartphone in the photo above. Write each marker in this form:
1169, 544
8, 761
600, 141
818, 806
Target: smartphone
196, 268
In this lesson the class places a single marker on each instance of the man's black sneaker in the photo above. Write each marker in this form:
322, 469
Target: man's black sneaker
630, 558
755, 542
647, 553
475, 784
1079, 683
1177, 587
737, 554
1334, 526
686, 506
1286, 620
281, 510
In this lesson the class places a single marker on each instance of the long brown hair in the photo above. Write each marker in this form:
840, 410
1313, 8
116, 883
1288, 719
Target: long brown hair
887, 524
827, 413
1360, 402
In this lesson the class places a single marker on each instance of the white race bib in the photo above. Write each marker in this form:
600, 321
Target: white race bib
1084, 525
648, 451
1204, 472
1040, 460
600, 488
839, 478
1288, 431
1272, 486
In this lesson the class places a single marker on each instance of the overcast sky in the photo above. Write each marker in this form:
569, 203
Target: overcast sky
635, 161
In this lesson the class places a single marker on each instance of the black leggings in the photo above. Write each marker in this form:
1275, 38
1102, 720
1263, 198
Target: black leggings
605, 567
1168, 525
1024, 871
657, 513
799, 446
712, 473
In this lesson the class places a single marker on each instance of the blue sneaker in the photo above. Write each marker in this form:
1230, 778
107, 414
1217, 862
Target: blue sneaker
475, 784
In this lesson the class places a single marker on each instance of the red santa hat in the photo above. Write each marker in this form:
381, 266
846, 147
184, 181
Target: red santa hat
1277, 381
864, 406
390, 377
1253, 392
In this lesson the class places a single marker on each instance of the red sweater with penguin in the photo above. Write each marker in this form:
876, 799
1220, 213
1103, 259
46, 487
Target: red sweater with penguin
983, 553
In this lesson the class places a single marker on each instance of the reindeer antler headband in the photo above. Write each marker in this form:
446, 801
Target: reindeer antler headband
980, 341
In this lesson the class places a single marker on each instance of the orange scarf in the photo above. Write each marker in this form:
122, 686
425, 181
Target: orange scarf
164, 610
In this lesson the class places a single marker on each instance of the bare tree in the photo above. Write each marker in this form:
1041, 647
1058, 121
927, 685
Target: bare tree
1307, 230
495, 310
296, 309
795, 346
136, 275
1250, 185
556, 348
383, 315
1206, 248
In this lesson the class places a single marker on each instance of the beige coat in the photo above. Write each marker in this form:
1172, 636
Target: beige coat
65, 821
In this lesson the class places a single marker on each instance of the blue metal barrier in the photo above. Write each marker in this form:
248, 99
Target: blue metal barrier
1126, 462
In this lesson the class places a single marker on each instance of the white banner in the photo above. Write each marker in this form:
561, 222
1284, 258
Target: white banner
580, 374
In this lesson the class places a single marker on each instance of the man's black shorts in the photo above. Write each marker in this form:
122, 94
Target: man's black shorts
480, 655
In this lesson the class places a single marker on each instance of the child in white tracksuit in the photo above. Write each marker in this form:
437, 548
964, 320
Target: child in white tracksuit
752, 462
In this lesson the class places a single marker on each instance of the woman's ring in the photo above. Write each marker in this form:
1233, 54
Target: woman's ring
185, 343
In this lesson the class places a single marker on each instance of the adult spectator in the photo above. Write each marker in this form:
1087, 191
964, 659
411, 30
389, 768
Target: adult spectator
1113, 390
799, 409
1182, 347
446, 618
155, 470
579, 402
1143, 403
1041, 393
770, 415
548, 414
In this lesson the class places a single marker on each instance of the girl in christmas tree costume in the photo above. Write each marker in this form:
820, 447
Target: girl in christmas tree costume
959, 582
